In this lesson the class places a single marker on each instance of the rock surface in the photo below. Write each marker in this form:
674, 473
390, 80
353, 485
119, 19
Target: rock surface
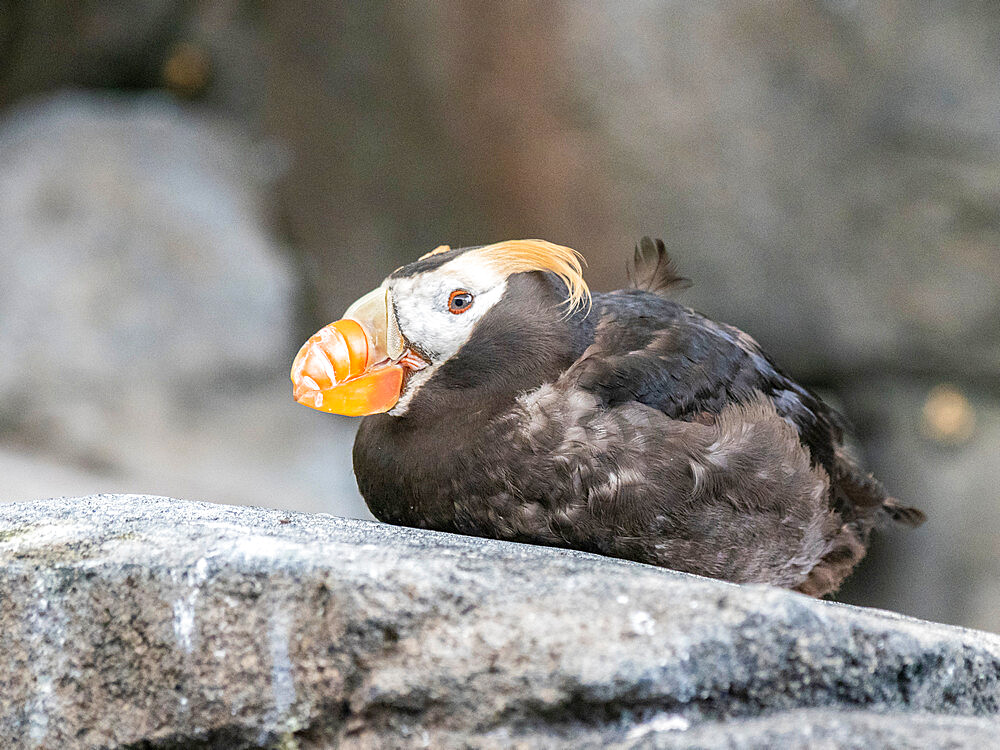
133, 621
148, 312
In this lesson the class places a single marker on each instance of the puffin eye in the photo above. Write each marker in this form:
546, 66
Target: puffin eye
459, 301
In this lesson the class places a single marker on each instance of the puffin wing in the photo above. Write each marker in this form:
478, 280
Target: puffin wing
656, 352
651, 350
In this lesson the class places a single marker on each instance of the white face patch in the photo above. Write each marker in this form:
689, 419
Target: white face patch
421, 305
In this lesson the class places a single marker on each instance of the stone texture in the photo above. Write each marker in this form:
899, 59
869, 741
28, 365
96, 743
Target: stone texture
148, 315
137, 242
48, 45
826, 172
148, 622
949, 569
45, 44
819, 730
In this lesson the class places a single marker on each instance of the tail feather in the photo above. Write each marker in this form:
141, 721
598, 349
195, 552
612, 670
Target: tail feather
858, 495
859, 499
653, 270
902, 513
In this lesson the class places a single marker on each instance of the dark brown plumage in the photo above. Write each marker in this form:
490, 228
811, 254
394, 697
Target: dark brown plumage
637, 428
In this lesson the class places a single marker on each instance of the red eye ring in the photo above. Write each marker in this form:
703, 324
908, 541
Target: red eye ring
459, 301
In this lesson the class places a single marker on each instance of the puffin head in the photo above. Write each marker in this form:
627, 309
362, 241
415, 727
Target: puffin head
456, 318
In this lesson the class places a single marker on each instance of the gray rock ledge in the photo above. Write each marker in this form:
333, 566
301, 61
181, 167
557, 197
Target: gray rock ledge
144, 622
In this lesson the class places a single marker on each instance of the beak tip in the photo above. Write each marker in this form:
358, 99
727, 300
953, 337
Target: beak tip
352, 366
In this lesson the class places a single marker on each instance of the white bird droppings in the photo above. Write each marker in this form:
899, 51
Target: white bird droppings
641, 623
184, 608
659, 723
282, 682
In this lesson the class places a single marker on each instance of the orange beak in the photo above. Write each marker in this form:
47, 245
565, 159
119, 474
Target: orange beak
356, 365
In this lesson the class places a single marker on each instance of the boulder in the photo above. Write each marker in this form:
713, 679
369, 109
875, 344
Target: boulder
135, 621
137, 245
149, 311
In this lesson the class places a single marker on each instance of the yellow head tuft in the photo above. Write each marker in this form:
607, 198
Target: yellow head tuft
435, 251
519, 256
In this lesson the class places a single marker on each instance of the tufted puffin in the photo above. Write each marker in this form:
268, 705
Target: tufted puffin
502, 399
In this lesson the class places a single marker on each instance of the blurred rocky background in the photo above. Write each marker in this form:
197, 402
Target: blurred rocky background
189, 188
